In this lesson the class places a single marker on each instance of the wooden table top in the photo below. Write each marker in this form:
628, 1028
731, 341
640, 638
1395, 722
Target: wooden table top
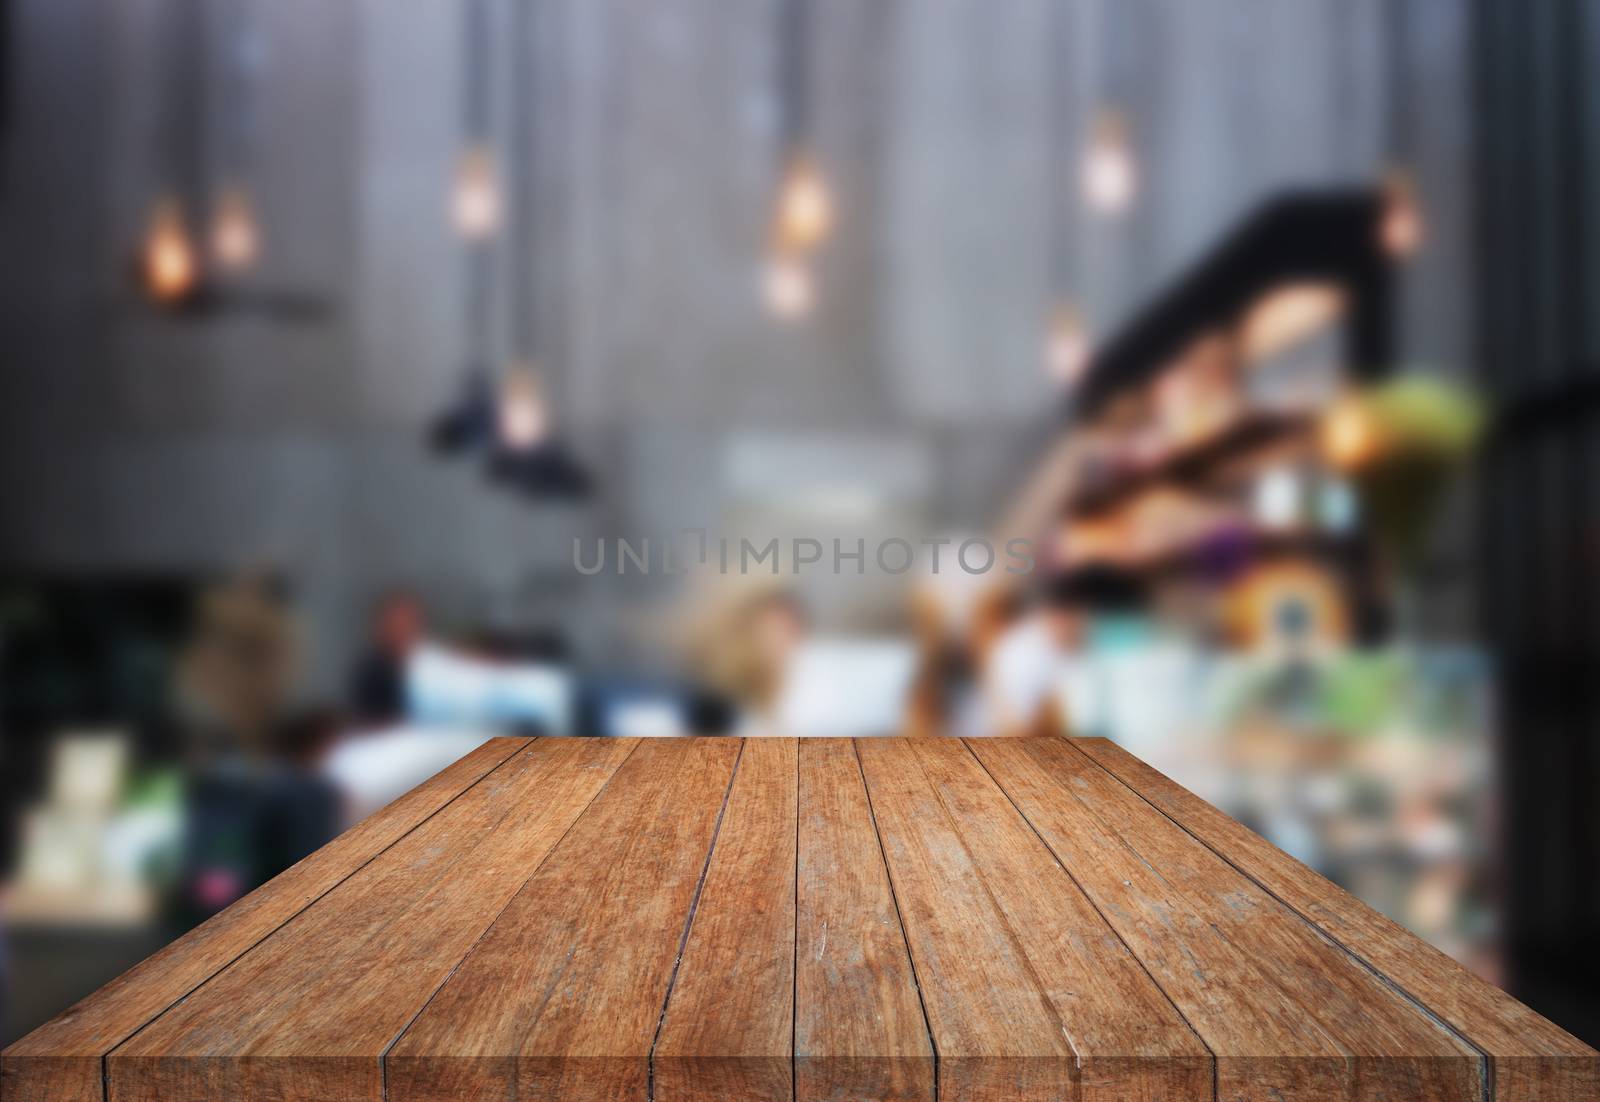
717, 919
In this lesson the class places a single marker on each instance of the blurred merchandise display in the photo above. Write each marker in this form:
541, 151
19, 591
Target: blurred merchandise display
1239, 455
100, 846
1404, 442
1373, 767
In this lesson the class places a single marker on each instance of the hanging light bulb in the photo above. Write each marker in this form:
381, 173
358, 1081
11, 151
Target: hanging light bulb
1349, 435
170, 265
523, 418
1401, 229
1109, 177
788, 285
235, 236
475, 202
1067, 345
805, 206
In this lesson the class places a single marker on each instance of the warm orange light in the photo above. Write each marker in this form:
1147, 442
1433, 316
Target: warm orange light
170, 265
235, 236
475, 202
1349, 436
1284, 318
1109, 177
788, 286
1401, 230
805, 206
523, 418
1256, 608
1067, 346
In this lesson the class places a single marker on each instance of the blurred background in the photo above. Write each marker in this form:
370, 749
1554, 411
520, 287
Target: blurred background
339, 336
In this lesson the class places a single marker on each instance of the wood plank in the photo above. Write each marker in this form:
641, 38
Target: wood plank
1533, 1057
1128, 1039
750, 920
1286, 1011
61, 1060
729, 1026
997, 1037
859, 1029
309, 1012
562, 997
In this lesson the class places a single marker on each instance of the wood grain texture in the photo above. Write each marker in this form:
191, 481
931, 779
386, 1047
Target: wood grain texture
1533, 1058
900, 920
1127, 1039
562, 998
1286, 1012
310, 1011
61, 1060
995, 1032
729, 1026
859, 1030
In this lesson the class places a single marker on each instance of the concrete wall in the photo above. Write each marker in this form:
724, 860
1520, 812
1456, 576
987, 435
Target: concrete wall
949, 128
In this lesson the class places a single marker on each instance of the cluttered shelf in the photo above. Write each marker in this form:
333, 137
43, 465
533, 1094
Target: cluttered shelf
1244, 454
1190, 461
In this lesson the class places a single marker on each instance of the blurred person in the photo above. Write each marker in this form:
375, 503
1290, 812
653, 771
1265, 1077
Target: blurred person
1048, 649
957, 633
740, 657
245, 822
253, 804
762, 648
396, 626
236, 673
1025, 663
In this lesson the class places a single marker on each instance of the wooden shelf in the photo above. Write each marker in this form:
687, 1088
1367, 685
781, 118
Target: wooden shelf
1325, 236
1192, 462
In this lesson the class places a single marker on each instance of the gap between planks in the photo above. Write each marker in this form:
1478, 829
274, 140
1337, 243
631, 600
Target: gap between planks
1485, 1064
105, 1057
894, 895
383, 1057
688, 922
794, 967
795, 950
1216, 1088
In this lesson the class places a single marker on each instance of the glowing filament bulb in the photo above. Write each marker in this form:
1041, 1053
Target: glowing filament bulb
523, 419
1349, 437
1067, 346
805, 206
1401, 230
235, 236
170, 265
1109, 177
787, 283
475, 203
